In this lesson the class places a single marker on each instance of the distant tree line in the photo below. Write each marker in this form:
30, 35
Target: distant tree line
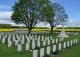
5, 25
68, 28
10, 26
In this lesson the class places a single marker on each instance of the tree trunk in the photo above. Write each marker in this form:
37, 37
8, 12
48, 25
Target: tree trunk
51, 31
29, 32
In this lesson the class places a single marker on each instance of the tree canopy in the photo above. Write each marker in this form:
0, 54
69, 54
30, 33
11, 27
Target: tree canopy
54, 14
28, 12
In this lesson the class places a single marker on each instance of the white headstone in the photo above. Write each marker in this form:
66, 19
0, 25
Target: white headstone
19, 48
52, 41
45, 38
60, 39
33, 44
50, 37
35, 38
3, 40
44, 43
56, 40
14, 38
35, 53
60, 47
71, 43
22, 40
48, 50
38, 43
9, 39
76, 41
27, 46
54, 48
64, 45
16, 42
42, 38
28, 39
67, 43
41, 52
9, 44
48, 42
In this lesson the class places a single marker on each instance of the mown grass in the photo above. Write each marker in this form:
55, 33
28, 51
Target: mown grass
69, 52
11, 52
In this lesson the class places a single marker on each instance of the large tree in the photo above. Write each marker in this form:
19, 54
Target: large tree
54, 15
28, 12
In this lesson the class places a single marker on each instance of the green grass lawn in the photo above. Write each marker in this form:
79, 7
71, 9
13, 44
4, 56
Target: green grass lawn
69, 52
11, 52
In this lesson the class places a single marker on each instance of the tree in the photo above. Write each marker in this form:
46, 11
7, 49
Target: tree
54, 15
28, 12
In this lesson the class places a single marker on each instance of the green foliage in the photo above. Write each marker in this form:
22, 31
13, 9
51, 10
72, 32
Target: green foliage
68, 28
31, 12
28, 12
54, 14
60, 14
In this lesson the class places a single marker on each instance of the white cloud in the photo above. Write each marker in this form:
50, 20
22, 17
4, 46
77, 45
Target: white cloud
5, 14
43, 24
74, 23
5, 17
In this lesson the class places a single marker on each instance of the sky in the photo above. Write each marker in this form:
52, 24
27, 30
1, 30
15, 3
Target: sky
72, 8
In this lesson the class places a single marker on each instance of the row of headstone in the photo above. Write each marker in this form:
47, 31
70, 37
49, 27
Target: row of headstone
66, 44
19, 40
22, 38
54, 49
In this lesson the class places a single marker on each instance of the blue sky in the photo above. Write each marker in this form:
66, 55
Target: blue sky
72, 8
